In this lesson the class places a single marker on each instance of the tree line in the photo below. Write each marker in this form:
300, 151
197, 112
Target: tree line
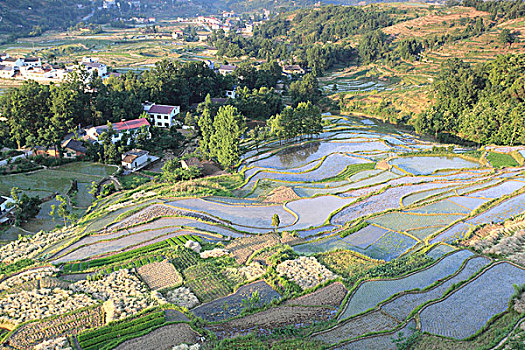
41, 115
483, 103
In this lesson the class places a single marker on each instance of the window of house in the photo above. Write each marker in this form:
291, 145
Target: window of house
167, 125
165, 117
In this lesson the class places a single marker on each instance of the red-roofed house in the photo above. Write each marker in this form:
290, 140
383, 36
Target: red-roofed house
130, 127
163, 116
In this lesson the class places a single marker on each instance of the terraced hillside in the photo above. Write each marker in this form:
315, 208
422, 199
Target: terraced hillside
381, 236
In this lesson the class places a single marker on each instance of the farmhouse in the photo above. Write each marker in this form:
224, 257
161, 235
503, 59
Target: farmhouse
293, 69
135, 159
5, 208
226, 69
130, 128
162, 116
7, 71
32, 62
73, 148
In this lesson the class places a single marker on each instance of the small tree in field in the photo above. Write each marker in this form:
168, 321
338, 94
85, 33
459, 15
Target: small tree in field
276, 221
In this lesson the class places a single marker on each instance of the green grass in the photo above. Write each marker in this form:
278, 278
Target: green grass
132, 181
500, 160
350, 170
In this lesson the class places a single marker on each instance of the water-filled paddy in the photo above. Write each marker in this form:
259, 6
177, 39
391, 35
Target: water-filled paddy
418, 165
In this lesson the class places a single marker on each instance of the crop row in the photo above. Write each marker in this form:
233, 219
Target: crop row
120, 257
105, 337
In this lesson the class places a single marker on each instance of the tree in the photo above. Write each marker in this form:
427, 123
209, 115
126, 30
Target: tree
205, 123
276, 221
306, 89
228, 127
506, 37
25, 207
62, 210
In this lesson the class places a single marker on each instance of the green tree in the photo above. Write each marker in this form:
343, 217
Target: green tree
276, 221
306, 89
25, 207
205, 123
62, 210
228, 127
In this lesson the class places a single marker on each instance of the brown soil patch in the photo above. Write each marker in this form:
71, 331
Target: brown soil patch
160, 275
420, 26
282, 316
280, 195
164, 338
243, 248
331, 295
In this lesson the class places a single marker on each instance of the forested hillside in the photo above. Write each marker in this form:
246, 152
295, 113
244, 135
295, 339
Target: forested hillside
26, 17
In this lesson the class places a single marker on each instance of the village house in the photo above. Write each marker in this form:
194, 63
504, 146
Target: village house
92, 65
5, 208
293, 69
135, 159
226, 69
32, 62
73, 149
162, 116
130, 128
7, 71
13, 62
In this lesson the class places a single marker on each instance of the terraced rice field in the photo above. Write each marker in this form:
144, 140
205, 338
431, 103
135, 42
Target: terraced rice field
424, 165
232, 305
371, 293
401, 307
382, 341
469, 308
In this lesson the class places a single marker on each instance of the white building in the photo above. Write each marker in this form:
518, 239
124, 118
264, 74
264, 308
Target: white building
5, 208
32, 62
92, 65
13, 62
7, 71
130, 128
135, 159
163, 116
226, 69
230, 94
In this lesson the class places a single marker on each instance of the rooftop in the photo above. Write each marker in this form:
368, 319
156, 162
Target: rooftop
161, 109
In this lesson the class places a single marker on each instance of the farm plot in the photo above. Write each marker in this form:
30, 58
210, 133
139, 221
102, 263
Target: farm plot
163, 338
469, 203
305, 168
501, 211
306, 272
419, 196
423, 233
266, 321
441, 207
371, 293
315, 211
177, 222
439, 250
374, 321
243, 248
34, 333
500, 190
382, 341
428, 165
331, 295
120, 244
297, 156
347, 263
233, 305
402, 306
242, 215
160, 275
389, 199
453, 233
404, 221
330, 167
469, 308
113, 334
320, 246
390, 246
365, 236
207, 282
